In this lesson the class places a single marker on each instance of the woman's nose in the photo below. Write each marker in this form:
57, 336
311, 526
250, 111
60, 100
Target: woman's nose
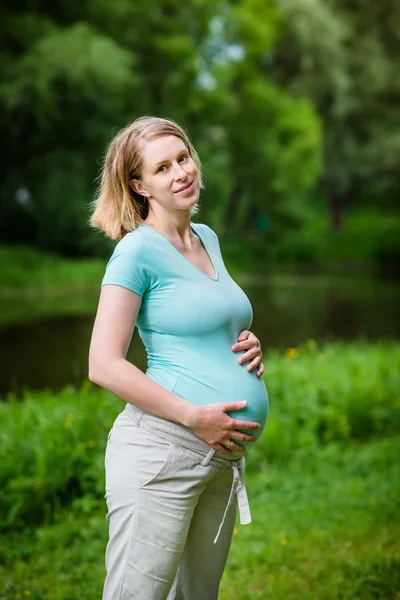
179, 172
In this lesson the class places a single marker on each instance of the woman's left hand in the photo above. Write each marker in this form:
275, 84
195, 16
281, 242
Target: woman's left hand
248, 341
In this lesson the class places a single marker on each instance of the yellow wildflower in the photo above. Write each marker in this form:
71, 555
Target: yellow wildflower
291, 353
284, 541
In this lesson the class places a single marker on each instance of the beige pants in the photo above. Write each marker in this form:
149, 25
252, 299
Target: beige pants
171, 502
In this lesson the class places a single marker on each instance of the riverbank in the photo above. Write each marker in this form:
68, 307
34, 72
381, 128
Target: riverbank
323, 483
366, 245
28, 272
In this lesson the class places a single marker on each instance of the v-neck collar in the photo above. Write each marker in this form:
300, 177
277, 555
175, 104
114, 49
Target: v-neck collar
216, 278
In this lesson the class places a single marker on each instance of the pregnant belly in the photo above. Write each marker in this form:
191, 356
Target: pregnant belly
239, 385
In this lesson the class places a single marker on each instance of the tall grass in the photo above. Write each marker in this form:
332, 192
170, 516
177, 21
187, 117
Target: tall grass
25, 268
323, 484
52, 445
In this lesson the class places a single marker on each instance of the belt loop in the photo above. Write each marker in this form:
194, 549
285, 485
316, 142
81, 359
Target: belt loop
208, 457
140, 416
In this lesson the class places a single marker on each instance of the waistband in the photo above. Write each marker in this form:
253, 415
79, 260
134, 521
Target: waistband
186, 438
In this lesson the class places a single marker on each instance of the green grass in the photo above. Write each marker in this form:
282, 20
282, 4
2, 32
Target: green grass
30, 271
318, 395
321, 526
326, 526
323, 482
362, 238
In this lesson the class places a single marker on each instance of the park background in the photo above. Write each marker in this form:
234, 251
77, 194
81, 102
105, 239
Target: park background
294, 108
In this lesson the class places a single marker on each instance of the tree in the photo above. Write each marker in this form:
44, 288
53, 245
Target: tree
344, 56
269, 140
75, 73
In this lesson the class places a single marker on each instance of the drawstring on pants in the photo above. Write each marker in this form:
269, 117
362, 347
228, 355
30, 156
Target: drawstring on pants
239, 488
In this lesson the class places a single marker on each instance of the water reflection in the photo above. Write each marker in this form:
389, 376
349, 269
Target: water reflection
44, 343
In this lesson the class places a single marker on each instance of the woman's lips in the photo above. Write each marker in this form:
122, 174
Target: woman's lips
185, 189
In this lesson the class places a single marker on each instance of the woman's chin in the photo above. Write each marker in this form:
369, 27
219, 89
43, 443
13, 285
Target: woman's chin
188, 204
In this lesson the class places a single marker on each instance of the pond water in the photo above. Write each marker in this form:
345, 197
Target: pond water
44, 341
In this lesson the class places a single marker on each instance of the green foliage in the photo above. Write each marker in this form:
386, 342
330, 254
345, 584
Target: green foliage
61, 438
324, 526
280, 97
75, 58
344, 57
58, 450
314, 406
75, 79
24, 268
363, 237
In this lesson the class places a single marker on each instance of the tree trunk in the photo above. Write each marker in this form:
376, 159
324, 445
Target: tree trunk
336, 204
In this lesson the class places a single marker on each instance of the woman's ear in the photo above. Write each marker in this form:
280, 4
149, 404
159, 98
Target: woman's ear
138, 187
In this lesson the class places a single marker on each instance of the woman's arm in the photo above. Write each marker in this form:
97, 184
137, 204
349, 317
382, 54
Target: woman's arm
112, 332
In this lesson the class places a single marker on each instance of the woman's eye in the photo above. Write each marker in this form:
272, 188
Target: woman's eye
182, 158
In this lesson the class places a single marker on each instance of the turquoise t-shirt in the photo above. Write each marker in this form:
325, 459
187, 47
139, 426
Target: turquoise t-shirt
188, 321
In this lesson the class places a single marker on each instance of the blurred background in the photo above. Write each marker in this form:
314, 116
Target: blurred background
294, 109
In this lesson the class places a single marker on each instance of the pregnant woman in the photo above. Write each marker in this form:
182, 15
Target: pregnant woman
175, 455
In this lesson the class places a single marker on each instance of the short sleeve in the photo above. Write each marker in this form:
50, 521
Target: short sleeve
128, 265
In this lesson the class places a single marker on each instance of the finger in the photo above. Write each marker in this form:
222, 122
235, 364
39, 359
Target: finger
242, 437
251, 342
232, 406
239, 346
245, 424
243, 335
236, 447
249, 355
254, 363
260, 370
222, 449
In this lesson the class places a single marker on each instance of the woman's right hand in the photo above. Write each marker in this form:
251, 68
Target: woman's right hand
214, 426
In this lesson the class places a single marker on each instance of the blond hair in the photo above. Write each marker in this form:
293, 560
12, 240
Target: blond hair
118, 209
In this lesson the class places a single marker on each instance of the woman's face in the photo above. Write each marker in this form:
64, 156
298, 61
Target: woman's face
169, 174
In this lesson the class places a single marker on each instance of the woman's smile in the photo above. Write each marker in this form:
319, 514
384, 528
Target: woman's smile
185, 189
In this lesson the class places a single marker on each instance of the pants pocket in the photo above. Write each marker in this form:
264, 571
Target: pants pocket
155, 462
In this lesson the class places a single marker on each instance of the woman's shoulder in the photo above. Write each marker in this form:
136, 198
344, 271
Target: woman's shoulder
206, 229
134, 241
133, 248
207, 233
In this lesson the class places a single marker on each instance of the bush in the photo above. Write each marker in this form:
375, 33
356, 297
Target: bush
24, 267
52, 445
52, 449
